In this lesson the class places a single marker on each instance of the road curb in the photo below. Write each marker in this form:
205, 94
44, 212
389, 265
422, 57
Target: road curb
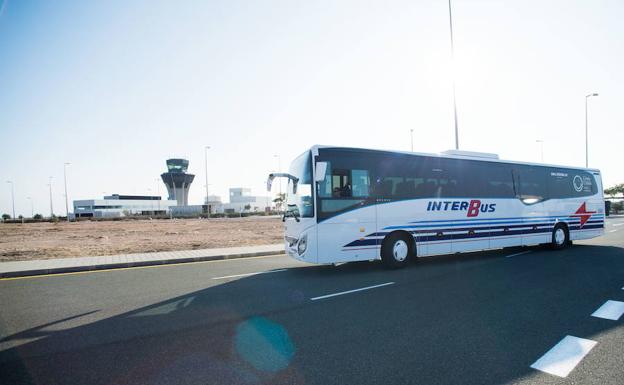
121, 265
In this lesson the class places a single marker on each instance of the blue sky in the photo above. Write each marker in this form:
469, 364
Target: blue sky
117, 87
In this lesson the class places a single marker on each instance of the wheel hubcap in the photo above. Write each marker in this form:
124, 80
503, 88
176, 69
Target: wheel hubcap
559, 236
399, 250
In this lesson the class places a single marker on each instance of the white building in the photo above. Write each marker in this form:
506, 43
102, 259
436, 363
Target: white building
241, 200
122, 205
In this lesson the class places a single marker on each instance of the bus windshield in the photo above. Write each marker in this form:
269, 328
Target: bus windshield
300, 203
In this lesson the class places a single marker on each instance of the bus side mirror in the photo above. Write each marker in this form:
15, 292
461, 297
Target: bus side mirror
321, 170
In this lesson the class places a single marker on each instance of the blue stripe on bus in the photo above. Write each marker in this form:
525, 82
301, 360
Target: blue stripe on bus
492, 234
489, 222
527, 221
501, 219
483, 226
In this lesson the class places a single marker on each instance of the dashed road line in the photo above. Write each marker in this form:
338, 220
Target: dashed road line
516, 254
351, 291
612, 231
612, 310
249, 274
563, 357
618, 224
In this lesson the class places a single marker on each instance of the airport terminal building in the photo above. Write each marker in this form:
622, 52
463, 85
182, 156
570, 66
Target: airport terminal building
122, 205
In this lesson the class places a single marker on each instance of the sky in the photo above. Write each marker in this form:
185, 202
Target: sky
117, 87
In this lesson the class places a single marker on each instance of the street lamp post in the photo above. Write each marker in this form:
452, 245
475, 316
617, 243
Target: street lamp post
158, 192
412, 139
453, 71
206, 148
586, 135
541, 142
66, 198
51, 207
12, 196
149, 191
32, 209
279, 169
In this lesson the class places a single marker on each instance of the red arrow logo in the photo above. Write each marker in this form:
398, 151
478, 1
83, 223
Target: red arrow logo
583, 214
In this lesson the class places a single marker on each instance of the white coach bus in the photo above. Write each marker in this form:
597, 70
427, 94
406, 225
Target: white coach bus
348, 204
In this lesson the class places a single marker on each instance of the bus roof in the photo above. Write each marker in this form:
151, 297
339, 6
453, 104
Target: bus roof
483, 157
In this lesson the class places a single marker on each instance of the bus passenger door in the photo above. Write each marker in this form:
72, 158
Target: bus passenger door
531, 191
346, 216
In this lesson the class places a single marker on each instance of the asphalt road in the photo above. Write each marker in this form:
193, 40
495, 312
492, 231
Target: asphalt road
480, 318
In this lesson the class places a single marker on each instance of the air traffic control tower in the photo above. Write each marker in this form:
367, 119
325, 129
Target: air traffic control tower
177, 180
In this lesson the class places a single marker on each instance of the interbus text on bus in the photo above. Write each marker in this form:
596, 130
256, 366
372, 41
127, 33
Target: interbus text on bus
472, 207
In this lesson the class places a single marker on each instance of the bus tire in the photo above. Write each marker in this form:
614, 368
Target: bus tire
560, 237
397, 249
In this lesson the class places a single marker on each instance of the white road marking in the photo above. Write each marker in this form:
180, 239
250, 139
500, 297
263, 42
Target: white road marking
351, 291
248, 274
612, 310
612, 231
618, 224
563, 357
516, 254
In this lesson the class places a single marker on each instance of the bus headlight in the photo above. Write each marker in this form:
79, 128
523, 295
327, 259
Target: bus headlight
302, 245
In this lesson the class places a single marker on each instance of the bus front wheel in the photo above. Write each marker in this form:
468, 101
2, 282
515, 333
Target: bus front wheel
396, 250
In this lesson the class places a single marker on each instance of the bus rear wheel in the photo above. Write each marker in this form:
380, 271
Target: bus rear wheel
560, 237
396, 250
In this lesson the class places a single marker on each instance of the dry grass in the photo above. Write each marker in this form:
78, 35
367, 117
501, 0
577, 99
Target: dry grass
61, 240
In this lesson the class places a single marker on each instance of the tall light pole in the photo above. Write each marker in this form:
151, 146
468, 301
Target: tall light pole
279, 169
65, 179
453, 71
149, 190
586, 135
32, 209
412, 139
541, 142
51, 207
12, 196
206, 148
158, 192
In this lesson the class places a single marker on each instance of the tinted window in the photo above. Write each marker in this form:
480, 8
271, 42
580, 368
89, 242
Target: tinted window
484, 179
406, 176
356, 178
531, 183
566, 183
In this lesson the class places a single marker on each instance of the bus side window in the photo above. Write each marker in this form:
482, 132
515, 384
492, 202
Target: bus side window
360, 183
531, 183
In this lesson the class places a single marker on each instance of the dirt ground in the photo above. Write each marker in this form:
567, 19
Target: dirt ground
28, 241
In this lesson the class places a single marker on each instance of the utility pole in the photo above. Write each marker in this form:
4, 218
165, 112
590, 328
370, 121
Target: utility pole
412, 139
51, 206
206, 148
158, 192
12, 196
453, 70
279, 169
541, 142
586, 134
66, 198
32, 209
